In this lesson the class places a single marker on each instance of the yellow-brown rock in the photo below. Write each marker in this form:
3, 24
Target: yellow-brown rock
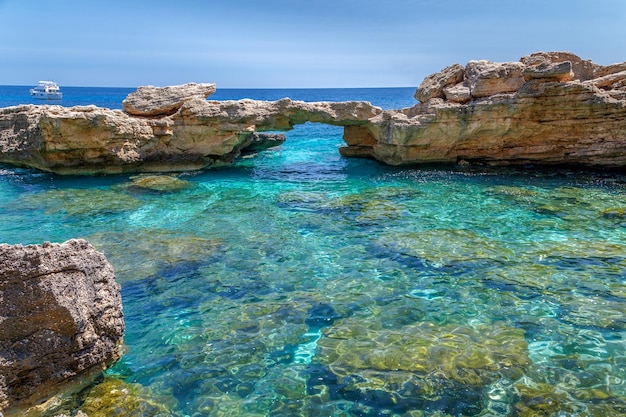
160, 101
91, 140
581, 121
549, 108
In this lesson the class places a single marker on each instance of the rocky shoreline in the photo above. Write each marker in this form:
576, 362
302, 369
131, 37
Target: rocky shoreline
60, 307
549, 108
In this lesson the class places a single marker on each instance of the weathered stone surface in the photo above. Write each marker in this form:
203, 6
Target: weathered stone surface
601, 71
561, 71
78, 414
548, 108
486, 78
91, 140
582, 69
433, 85
457, 93
543, 121
611, 81
61, 319
160, 101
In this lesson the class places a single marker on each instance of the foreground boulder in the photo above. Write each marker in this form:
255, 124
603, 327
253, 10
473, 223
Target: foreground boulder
550, 108
61, 319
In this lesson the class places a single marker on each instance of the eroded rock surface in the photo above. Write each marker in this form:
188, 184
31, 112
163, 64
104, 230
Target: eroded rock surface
61, 319
549, 108
92, 140
157, 101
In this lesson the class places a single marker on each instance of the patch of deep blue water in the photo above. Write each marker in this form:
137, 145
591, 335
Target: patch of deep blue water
109, 97
297, 282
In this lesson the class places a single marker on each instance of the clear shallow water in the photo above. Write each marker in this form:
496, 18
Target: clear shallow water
300, 283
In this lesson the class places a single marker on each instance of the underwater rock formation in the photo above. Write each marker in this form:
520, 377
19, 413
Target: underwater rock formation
418, 366
550, 108
61, 319
181, 132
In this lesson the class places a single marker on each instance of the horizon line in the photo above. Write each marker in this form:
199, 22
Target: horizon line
218, 88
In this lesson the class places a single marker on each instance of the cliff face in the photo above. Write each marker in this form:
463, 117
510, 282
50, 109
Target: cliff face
60, 319
549, 108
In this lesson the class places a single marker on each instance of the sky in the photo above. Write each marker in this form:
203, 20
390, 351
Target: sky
290, 43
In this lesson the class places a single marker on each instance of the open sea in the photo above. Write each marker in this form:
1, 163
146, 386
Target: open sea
300, 283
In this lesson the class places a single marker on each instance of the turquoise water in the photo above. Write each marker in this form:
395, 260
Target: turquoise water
300, 283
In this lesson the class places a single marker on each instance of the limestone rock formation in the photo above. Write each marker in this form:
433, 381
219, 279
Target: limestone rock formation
433, 85
156, 101
549, 108
200, 133
487, 78
582, 69
61, 319
561, 71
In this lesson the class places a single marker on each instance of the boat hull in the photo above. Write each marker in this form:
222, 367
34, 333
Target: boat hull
46, 96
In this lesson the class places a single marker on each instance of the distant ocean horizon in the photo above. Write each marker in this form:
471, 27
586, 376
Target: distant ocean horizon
111, 97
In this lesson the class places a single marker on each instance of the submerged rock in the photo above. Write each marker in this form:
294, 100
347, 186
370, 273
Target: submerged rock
113, 397
158, 183
142, 243
467, 355
79, 202
417, 366
61, 319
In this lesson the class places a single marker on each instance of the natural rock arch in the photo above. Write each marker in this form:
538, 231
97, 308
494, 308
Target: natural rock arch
548, 108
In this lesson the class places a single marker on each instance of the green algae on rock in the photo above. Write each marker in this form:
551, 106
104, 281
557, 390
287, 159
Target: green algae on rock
80, 202
126, 247
418, 367
452, 351
113, 397
157, 183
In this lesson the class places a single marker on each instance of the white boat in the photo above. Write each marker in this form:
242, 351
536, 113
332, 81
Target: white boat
47, 90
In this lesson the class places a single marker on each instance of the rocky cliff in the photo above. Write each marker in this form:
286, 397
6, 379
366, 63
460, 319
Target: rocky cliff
61, 319
161, 129
547, 109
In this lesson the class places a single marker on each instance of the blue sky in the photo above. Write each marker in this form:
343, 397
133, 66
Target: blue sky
290, 43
